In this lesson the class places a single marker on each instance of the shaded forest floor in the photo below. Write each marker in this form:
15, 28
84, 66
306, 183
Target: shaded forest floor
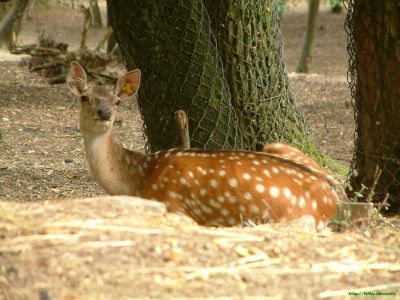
107, 248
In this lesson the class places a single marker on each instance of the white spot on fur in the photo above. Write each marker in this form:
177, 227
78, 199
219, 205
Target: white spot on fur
314, 205
254, 209
274, 191
197, 212
214, 203
260, 188
213, 183
232, 199
287, 192
224, 212
233, 182
206, 209
246, 176
202, 171
184, 181
248, 196
172, 194
266, 173
302, 202
293, 200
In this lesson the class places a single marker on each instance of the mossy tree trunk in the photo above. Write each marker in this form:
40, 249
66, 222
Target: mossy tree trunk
171, 43
249, 41
216, 60
374, 28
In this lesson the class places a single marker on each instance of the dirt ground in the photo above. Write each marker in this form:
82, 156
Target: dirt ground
95, 249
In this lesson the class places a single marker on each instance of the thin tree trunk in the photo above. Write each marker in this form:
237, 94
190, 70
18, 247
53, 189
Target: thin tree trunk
96, 14
305, 57
112, 42
12, 22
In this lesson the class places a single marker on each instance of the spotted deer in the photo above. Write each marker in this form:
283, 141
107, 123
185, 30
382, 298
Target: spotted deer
215, 188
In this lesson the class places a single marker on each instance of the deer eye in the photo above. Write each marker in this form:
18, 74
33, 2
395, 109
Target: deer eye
84, 98
117, 102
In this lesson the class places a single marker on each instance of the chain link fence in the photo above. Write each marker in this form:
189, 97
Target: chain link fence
249, 41
373, 35
172, 45
222, 62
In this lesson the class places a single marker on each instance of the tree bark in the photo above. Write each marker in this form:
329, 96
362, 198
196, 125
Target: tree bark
250, 45
374, 28
305, 57
172, 45
96, 14
10, 22
215, 60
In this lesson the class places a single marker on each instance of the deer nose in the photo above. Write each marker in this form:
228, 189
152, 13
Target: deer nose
104, 114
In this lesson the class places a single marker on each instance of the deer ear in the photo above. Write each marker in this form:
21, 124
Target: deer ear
76, 79
128, 85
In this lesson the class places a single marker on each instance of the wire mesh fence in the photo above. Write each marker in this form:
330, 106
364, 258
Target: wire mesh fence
374, 70
172, 44
221, 62
249, 41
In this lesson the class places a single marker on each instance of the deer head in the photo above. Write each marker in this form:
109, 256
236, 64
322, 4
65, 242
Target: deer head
98, 104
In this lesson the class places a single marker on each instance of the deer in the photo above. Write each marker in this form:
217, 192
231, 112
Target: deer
213, 187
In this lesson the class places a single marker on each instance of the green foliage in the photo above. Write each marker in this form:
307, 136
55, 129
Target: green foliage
280, 6
1, 136
334, 5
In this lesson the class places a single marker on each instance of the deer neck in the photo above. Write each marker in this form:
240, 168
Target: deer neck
116, 169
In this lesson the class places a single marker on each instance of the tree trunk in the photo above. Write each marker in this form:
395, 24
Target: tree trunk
172, 44
249, 41
305, 57
374, 28
96, 14
215, 61
12, 23
112, 42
